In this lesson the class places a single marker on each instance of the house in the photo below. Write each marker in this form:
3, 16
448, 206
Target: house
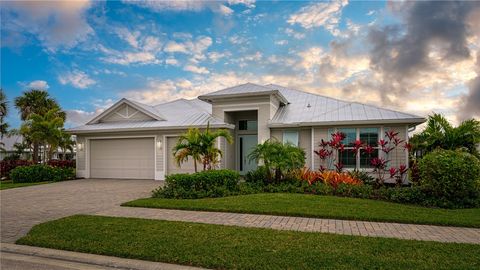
135, 140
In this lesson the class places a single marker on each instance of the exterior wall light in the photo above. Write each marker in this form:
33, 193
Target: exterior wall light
80, 146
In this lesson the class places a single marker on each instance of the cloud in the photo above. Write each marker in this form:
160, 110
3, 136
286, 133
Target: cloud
127, 58
292, 33
324, 14
128, 36
80, 117
281, 42
172, 61
196, 69
188, 5
77, 79
216, 56
194, 47
38, 84
470, 103
57, 24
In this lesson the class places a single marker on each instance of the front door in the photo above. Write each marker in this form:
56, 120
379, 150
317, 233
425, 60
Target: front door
246, 143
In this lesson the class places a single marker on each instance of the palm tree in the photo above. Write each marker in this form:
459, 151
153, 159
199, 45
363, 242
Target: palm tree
66, 143
36, 102
45, 130
439, 133
188, 145
3, 114
209, 151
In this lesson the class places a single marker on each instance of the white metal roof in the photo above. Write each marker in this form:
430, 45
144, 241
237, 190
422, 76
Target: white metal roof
178, 114
312, 109
300, 109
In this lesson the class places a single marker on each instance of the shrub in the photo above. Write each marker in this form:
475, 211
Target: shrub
212, 183
450, 178
334, 179
7, 165
61, 163
278, 158
40, 173
363, 176
257, 176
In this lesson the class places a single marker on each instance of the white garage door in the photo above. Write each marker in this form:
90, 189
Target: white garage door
172, 167
122, 158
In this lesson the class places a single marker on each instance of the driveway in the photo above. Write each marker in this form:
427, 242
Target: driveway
22, 208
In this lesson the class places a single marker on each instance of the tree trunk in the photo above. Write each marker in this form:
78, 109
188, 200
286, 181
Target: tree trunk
35, 153
195, 164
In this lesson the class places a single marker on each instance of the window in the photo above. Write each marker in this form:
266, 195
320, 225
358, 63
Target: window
290, 136
247, 125
368, 136
347, 157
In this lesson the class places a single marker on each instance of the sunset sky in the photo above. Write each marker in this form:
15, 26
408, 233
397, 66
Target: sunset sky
417, 57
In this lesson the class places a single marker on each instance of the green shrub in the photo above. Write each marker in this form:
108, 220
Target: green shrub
363, 176
355, 191
257, 176
40, 173
212, 183
450, 179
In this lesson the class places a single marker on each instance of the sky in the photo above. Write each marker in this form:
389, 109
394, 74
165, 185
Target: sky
416, 57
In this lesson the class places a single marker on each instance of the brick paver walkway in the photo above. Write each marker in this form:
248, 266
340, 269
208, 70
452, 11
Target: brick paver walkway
348, 227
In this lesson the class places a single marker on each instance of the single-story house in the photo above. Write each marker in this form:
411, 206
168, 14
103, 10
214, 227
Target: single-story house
134, 140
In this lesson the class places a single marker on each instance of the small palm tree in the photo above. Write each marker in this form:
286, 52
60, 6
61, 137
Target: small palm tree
3, 114
209, 151
188, 145
439, 133
66, 143
44, 130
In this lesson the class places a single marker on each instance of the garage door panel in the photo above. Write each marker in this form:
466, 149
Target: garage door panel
122, 158
186, 167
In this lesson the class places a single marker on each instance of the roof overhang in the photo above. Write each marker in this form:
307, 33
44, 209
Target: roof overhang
97, 118
410, 121
109, 130
277, 93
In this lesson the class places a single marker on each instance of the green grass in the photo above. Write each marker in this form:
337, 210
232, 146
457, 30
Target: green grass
9, 184
228, 247
302, 205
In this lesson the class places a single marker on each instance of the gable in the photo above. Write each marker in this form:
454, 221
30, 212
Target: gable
125, 113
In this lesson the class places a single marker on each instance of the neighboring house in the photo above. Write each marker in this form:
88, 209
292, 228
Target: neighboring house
9, 148
134, 140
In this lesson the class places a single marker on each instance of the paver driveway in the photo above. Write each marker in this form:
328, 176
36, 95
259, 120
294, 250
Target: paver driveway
22, 208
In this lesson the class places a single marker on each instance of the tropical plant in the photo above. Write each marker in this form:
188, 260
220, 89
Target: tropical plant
65, 143
334, 179
46, 130
439, 133
200, 146
36, 102
210, 153
278, 158
3, 114
188, 145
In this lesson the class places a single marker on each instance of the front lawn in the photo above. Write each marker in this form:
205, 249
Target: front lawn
228, 247
9, 184
287, 204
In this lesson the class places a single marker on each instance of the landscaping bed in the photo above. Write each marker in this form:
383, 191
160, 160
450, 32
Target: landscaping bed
228, 247
304, 205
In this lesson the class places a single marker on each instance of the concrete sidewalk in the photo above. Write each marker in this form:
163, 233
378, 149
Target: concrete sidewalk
25, 257
348, 227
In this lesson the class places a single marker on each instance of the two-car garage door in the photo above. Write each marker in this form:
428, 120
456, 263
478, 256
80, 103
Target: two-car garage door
122, 158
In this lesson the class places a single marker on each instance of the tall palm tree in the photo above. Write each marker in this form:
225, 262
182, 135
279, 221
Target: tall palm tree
188, 145
45, 130
209, 151
439, 133
3, 114
36, 102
